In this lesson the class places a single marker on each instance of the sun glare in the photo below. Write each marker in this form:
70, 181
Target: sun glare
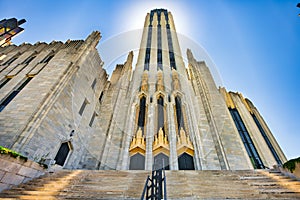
132, 30
136, 14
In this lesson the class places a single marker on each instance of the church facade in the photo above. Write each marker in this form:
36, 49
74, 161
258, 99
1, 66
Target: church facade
59, 105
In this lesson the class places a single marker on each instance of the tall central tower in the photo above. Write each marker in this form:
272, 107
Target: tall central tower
161, 132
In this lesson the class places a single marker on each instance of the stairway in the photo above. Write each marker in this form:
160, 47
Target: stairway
111, 184
248, 184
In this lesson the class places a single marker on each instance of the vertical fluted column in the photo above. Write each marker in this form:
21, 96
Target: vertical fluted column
149, 138
143, 45
172, 138
139, 69
153, 55
176, 48
165, 54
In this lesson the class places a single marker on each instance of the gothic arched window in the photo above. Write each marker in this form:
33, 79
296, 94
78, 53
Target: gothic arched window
179, 114
142, 113
160, 113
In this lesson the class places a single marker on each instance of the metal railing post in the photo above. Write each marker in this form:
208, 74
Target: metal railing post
158, 185
145, 188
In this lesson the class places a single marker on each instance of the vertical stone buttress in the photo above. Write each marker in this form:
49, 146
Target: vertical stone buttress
116, 103
220, 142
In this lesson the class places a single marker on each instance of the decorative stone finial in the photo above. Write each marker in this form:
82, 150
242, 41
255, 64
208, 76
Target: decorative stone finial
144, 86
176, 83
138, 143
184, 144
160, 82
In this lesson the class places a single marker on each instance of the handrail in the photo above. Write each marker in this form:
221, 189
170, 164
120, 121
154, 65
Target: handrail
145, 187
157, 187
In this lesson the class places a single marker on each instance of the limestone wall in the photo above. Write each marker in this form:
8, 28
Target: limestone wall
45, 113
14, 171
221, 146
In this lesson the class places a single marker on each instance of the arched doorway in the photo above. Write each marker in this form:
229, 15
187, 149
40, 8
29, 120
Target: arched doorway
186, 162
62, 153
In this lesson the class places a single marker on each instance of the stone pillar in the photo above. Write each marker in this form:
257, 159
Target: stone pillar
129, 133
153, 56
165, 55
139, 69
149, 137
143, 45
172, 138
176, 48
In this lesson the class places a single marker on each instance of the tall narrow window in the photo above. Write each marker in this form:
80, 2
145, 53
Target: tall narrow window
94, 83
170, 45
83, 106
179, 115
6, 80
92, 119
160, 113
250, 148
48, 58
267, 140
147, 59
142, 113
11, 60
14, 93
159, 48
28, 60
148, 49
101, 97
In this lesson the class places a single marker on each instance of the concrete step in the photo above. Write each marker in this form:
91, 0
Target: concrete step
110, 184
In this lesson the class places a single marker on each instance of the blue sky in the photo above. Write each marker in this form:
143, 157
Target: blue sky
255, 45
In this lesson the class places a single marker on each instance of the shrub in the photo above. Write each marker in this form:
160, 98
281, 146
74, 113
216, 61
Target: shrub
12, 153
291, 164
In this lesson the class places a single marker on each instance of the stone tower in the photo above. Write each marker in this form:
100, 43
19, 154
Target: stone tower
162, 114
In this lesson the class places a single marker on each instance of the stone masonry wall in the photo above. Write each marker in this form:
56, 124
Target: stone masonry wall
216, 124
14, 171
45, 113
